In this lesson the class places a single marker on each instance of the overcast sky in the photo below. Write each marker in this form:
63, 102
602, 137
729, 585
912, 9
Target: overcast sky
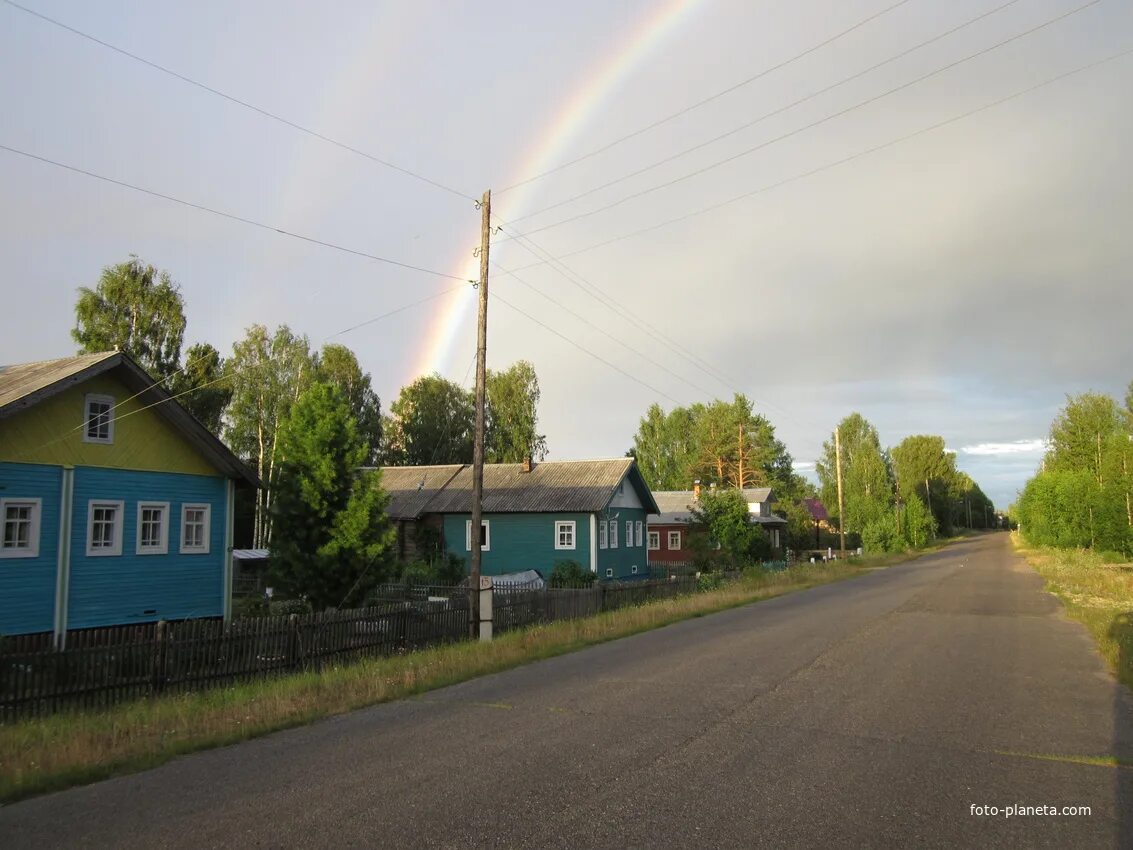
959, 282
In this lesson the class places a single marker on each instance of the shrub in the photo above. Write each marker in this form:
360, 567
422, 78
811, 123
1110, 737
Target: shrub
284, 607
571, 574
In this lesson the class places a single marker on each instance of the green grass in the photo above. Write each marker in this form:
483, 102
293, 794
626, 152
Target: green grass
1098, 593
48, 754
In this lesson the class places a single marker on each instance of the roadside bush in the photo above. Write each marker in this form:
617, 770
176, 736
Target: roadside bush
571, 574
710, 581
250, 606
284, 607
443, 569
882, 535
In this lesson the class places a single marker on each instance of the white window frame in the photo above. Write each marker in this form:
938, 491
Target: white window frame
560, 525
633, 569
673, 548
629, 533
119, 523
162, 548
203, 549
36, 505
88, 399
654, 536
638, 528
486, 525
603, 535
613, 534
609, 572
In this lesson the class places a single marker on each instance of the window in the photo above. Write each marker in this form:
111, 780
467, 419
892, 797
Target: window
603, 536
153, 528
195, 522
629, 533
755, 508
485, 537
21, 528
637, 532
654, 541
613, 534
674, 540
564, 535
104, 528
609, 572
633, 569
99, 419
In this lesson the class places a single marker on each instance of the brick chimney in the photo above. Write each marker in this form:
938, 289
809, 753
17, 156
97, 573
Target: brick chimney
528, 463
696, 490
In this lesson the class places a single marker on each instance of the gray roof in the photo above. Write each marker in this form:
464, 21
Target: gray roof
24, 385
411, 487
580, 486
676, 505
758, 494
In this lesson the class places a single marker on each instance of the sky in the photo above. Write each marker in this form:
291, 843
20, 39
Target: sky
940, 243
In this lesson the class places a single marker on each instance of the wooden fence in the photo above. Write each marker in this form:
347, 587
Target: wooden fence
100, 667
513, 609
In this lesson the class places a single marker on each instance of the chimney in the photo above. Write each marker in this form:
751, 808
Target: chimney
696, 490
527, 463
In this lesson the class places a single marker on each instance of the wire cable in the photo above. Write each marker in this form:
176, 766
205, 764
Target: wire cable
710, 167
661, 121
779, 111
246, 104
231, 216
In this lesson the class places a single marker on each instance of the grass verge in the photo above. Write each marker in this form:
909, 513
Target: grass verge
52, 753
1097, 592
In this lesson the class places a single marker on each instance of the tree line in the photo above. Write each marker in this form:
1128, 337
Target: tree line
1082, 495
307, 420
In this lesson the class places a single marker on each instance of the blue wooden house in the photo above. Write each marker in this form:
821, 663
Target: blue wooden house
116, 502
534, 514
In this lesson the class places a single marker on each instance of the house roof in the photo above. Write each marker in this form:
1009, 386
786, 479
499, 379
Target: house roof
411, 487
676, 506
581, 486
25, 385
758, 494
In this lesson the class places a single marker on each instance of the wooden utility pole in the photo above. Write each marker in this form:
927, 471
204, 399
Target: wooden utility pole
841, 506
475, 540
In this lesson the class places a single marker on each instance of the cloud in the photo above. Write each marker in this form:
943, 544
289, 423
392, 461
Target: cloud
1034, 446
803, 465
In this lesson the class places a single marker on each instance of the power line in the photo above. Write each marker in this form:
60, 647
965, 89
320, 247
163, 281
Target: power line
602, 330
496, 297
830, 117
749, 124
231, 216
246, 104
702, 102
835, 163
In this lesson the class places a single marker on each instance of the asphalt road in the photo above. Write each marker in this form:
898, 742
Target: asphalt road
874, 712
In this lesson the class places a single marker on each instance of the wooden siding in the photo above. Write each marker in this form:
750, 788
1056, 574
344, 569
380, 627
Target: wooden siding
51, 432
131, 588
623, 559
522, 541
27, 585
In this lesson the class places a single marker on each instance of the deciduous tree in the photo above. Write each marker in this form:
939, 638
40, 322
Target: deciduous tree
338, 365
202, 387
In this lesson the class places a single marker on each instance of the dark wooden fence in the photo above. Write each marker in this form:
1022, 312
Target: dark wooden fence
516, 608
100, 667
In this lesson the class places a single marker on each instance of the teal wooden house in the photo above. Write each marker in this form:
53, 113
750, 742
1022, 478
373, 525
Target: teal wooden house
116, 502
534, 514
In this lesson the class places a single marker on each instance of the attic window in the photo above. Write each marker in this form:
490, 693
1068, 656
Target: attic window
99, 419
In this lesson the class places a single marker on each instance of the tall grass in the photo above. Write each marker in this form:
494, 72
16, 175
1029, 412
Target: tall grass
1098, 592
51, 753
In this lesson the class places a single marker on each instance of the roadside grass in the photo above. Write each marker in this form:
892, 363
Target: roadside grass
1098, 592
56, 752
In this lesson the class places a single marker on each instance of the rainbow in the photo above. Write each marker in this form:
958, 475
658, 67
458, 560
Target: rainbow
450, 320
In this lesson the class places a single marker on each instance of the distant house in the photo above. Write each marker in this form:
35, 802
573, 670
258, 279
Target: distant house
534, 514
116, 502
669, 530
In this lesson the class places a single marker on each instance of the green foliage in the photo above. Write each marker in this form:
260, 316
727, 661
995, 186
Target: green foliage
867, 481
338, 365
918, 525
883, 535
723, 534
250, 606
431, 422
287, 607
136, 309
267, 374
924, 469
333, 540
201, 386
512, 415
571, 574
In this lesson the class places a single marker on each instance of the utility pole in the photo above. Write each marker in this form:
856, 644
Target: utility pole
841, 506
478, 438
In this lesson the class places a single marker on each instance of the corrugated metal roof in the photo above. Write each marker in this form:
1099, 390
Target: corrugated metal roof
582, 486
24, 379
411, 487
676, 506
250, 554
757, 494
